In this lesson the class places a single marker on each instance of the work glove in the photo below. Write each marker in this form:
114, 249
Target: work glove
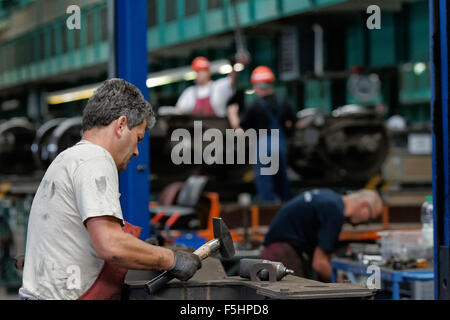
185, 265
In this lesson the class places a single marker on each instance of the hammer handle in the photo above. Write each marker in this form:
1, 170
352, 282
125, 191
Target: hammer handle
160, 280
203, 252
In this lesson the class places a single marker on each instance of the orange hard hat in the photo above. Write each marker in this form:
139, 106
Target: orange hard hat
262, 74
200, 63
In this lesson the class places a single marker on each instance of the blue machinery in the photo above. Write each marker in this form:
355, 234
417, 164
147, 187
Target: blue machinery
130, 63
439, 30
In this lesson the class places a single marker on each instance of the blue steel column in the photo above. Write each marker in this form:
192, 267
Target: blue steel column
440, 133
131, 64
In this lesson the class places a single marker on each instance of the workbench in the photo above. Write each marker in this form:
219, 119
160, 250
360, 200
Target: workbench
387, 274
212, 283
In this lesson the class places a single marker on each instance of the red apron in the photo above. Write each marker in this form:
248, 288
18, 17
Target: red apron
108, 285
203, 107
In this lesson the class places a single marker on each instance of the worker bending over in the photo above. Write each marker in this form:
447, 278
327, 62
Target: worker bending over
306, 230
267, 112
78, 245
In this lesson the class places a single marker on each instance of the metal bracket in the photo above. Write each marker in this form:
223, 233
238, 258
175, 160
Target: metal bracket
259, 267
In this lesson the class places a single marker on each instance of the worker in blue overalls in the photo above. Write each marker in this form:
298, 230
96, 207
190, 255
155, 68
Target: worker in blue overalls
276, 116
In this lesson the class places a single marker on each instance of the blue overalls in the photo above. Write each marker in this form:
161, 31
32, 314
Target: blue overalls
271, 188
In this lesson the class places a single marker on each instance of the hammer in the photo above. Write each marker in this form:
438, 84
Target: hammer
222, 242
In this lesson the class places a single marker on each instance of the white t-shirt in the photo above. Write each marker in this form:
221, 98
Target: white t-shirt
60, 261
219, 91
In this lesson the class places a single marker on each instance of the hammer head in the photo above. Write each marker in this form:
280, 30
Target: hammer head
222, 233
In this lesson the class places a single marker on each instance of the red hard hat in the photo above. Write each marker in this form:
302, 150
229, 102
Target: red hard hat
262, 74
200, 63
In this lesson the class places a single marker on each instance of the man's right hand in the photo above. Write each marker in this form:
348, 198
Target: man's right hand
185, 265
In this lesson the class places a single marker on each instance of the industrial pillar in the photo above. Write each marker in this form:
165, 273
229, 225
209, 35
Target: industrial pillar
130, 55
439, 18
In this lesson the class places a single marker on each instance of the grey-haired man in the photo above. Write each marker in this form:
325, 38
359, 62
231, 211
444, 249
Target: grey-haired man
78, 245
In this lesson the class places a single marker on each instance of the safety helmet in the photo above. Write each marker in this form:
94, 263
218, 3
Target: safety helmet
200, 63
262, 74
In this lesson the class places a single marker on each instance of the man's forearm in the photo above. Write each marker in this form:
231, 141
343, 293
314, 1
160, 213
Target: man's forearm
323, 270
321, 264
131, 253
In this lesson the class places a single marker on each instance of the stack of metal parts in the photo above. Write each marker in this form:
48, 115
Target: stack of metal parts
16, 137
350, 144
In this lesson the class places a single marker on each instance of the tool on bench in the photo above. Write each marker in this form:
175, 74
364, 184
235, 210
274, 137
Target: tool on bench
265, 270
221, 243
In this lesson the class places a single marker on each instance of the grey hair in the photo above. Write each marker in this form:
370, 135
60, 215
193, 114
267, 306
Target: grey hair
372, 197
113, 99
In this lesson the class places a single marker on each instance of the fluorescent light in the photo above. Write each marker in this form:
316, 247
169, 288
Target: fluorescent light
159, 81
238, 67
225, 69
419, 68
190, 75
155, 79
75, 94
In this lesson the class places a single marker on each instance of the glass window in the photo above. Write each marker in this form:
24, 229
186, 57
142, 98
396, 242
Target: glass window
171, 10
42, 45
26, 50
214, 4
63, 38
6, 56
18, 48
12, 55
152, 13
104, 24
2, 58
53, 41
191, 7
31, 49
76, 38
90, 28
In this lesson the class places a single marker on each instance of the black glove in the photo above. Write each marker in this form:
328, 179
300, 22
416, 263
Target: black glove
185, 265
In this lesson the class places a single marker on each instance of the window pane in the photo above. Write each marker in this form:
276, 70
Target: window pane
76, 38
214, 4
27, 50
7, 65
42, 46
18, 47
104, 24
2, 58
12, 52
171, 10
152, 13
53, 41
90, 29
32, 49
63, 38
191, 7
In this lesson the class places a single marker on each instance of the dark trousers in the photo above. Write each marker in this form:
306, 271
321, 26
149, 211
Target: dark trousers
271, 188
291, 257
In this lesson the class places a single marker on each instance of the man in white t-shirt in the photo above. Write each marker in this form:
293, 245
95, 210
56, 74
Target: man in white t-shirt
206, 97
78, 245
